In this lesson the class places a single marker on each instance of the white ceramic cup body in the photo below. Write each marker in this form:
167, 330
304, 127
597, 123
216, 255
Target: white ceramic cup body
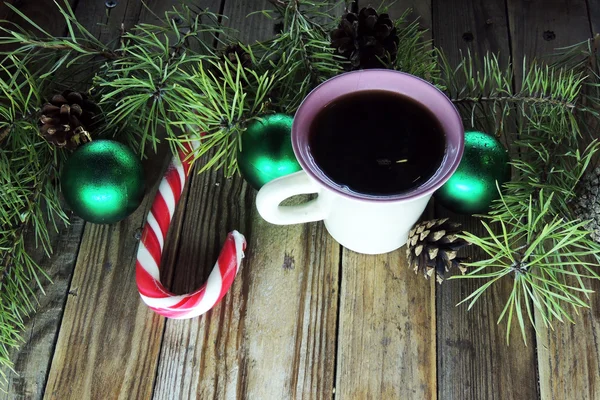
363, 226
361, 222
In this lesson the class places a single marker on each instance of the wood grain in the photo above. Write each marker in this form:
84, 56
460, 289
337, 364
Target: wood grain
538, 27
109, 341
386, 344
470, 25
43, 12
32, 359
386, 340
474, 361
105, 23
568, 355
106, 328
273, 335
250, 28
594, 15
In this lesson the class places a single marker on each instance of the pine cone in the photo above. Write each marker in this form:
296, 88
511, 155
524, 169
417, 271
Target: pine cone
367, 39
433, 245
235, 49
66, 118
587, 204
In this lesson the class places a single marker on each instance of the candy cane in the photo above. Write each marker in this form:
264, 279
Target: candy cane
147, 271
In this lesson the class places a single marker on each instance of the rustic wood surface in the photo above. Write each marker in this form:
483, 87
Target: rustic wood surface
473, 359
33, 360
387, 321
569, 355
305, 318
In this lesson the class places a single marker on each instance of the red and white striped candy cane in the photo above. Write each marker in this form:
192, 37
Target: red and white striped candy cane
147, 274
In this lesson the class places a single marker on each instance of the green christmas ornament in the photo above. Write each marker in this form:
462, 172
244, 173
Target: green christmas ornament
472, 187
103, 181
266, 151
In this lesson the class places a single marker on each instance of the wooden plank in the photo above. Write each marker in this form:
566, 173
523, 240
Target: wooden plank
474, 361
250, 28
32, 359
273, 335
568, 355
106, 328
105, 22
109, 341
538, 27
594, 11
42, 12
386, 342
473, 26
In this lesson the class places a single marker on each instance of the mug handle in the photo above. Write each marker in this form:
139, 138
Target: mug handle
273, 193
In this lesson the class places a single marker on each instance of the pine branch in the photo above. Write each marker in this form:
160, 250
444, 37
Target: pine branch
301, 56
142, 91
28, 197
534, 215
543, 253
520, 99
79, 43
416, 55
165, 81
25, 189
547, 100
221, 106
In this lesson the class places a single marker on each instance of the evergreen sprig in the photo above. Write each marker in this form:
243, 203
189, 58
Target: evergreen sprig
416, 54
29, 200
54, 55
171, 81
542, 115
141, 91
220, 106
549, 259
544, 99
301, 55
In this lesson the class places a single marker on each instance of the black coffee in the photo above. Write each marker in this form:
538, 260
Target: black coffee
377, 142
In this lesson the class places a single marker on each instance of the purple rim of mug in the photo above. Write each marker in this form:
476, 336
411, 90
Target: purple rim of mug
389, 80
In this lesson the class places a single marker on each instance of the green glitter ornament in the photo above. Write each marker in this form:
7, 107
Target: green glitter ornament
103, 182
266, 151
472, 188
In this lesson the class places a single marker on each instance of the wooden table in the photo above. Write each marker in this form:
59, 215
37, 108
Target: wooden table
305, 318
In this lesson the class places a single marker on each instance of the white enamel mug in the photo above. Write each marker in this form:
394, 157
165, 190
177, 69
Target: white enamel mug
364, 223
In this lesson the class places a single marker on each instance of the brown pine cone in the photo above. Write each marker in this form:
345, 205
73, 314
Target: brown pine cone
587, 202
233, 52
433, 246
65, 119
366, 39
